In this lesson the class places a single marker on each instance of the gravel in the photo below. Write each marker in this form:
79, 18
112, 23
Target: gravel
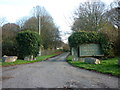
54, 73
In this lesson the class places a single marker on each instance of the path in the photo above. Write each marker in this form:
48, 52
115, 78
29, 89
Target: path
54, 73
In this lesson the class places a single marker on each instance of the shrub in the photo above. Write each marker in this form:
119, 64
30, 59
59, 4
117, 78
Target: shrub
28, 43
9, 48
83, 37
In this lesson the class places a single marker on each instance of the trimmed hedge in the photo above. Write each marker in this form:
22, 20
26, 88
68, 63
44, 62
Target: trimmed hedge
83, 37
28, 43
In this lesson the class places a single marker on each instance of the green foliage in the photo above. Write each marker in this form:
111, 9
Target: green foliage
9, 32
28, 43
38, 59
50, 35
109, 66
79, 38
9, 48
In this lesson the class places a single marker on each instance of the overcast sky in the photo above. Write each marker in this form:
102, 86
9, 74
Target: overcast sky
60, 10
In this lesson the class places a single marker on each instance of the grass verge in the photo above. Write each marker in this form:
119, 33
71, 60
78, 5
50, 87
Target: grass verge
109, 66
38, 59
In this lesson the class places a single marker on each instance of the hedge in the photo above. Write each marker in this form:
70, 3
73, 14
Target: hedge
78, 38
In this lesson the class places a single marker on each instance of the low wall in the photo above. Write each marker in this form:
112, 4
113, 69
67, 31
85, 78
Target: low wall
47, 52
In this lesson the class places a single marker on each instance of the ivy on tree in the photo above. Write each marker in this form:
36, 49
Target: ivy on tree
84, 37
28, 43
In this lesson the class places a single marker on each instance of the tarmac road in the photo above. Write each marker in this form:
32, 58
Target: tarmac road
54, 73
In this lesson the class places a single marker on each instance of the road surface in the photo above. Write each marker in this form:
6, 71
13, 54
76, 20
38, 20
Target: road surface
54, 73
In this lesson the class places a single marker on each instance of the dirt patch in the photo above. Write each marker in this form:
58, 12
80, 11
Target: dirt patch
35, 66
73, 84
102, 85
5, 78
11, 68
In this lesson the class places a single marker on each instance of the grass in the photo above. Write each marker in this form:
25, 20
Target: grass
38, 59
109, 66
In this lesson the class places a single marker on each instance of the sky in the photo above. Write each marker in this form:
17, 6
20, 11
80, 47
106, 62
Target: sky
60, 10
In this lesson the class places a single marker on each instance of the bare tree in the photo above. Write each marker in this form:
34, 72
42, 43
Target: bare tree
31, 24
89, 16
2, 21
113, 15
21, 22
9, 31
111, 26
39, 11
114, 4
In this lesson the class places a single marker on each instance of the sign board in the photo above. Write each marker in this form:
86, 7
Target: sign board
90, 50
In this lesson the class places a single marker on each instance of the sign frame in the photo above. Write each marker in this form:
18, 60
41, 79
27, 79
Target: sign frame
91, 49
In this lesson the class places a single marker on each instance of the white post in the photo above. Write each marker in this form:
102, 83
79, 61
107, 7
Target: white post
39, 31
39, 24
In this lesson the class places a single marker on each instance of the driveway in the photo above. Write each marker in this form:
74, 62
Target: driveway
54, 73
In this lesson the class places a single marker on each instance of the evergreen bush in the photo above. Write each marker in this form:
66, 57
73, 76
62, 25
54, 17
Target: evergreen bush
28, 43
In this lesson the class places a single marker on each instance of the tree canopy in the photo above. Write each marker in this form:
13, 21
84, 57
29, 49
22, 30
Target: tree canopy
49, 32
89, 16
